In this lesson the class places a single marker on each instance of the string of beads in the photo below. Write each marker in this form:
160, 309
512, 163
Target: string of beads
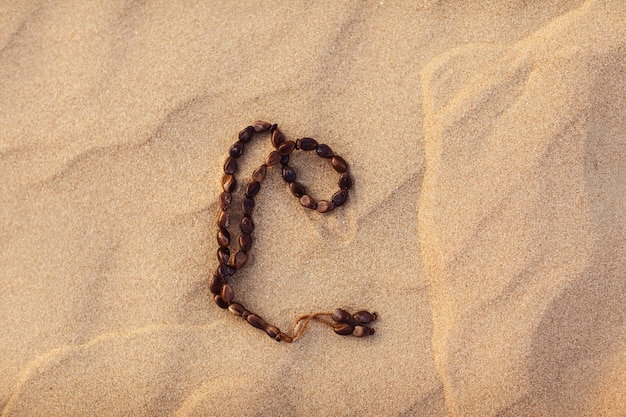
342, 322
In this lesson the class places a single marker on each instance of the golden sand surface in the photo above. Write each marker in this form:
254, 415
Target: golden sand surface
486, 226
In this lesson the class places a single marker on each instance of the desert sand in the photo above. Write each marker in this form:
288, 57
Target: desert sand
486, 225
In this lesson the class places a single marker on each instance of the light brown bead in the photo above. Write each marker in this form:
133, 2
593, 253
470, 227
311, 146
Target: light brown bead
324, 206
223, 221
308, 202
241, 257
261, 126
245, 242
227, 293
339, 164
277, 138
223, 238
273, 158
229, 183
286, 147
259, 174
230, 166
225, 200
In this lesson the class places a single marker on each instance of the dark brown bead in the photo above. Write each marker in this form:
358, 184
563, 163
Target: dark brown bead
324, 206
237, 309
215, 286
277, 138
273, 128
241, 257
246, 134
364, 317
345, 182
257, 321
247, 226
230, 166
273, 158
220, 302
339, 164
253, 189
223, 255
324, 151
245, 241
307, 144
284, 160
229, 183
341, 316
273, 332
289, 174
227, 293
308, 202
259, 174
237, 149
362, 331
340, 197
225, 200
297, 189
223, 221
286, 147
247, 206
343, 329
223, 238
226, 271
261, 126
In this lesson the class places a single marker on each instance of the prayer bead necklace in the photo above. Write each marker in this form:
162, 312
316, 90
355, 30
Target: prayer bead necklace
342, 322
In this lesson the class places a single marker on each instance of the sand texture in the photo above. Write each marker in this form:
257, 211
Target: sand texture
486, 226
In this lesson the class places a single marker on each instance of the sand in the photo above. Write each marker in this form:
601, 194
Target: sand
487, 224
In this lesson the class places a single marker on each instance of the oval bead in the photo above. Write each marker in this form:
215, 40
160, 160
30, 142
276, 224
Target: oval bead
230, 166
284, 160
286, 147
247, 205
324, 151
226, 271
215, 286
340, 197
225, 200
247, 226
341, 316
307, 144
245, 241
246, 134
362, 331
227, 293
277, 138
364, 317
223, 238
261, 126
289, 175
297, 189
345, 182
273, 158
343, 329
237, 309
308, 202
229, 183
324, 206
241, 257
253, 189
220, 302
339, 164
223, 255
223, 221
256, 321
273, 332
236, 150
259, 174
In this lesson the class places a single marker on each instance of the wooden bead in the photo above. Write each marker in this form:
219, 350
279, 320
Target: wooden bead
223, 221
343, 329
259, 174
324, 206
225, 200
223, 238
364, 317
307, 144
339, 164
341, 316
340, 197
229, 183
324, 151
257, 321
236, 150
289, 175
362, 331
215, 286
241, 257
246, 225
253, 189
223, 255
277, 138
247, 205
230, 166
237, 309
226, 271
227, 293
273, 158
345, 182
308, 202
261, 126
273, 332
297, 189
220, 302
286, 147
245, 241
246, 134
